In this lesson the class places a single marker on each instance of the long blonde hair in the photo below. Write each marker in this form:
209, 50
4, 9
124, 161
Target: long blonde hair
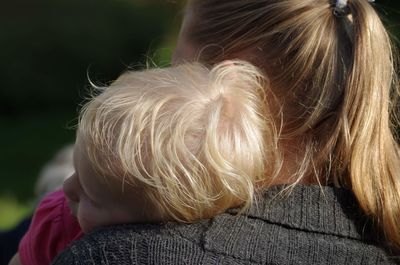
195, 140
335, 77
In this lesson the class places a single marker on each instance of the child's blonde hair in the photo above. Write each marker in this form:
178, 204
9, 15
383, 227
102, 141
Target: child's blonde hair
196, 140
336, 79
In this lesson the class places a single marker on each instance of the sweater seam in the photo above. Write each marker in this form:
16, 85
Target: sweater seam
287, 226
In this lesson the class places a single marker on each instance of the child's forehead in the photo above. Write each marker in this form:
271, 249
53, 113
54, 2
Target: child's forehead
99, 186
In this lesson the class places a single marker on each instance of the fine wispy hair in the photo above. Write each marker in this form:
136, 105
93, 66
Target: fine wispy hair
196, 140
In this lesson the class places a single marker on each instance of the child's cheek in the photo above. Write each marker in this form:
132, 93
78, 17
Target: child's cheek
73, 207
89, 216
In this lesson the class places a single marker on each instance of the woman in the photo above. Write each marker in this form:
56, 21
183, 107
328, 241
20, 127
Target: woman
336, 197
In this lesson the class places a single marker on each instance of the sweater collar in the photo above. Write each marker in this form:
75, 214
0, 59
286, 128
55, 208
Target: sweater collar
326, 210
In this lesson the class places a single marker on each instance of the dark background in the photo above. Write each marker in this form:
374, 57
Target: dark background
48, 48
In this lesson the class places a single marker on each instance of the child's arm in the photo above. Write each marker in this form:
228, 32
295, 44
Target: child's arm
15, 260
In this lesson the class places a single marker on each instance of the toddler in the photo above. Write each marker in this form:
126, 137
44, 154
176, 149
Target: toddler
175, 144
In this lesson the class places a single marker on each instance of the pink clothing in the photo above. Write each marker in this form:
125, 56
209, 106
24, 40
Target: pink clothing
52, 229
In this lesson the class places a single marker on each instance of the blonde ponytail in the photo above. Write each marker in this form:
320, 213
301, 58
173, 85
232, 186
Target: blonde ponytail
366, 137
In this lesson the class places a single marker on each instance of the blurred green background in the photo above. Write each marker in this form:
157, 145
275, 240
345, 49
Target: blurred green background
48, 48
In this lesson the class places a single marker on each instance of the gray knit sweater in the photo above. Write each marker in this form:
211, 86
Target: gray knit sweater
311, 226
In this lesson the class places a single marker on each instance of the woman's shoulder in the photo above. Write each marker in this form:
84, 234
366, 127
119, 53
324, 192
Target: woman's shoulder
312, 225
307, 224
169, 243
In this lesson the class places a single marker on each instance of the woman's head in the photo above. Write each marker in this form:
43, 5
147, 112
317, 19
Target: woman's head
302, 46
194, 140
332, 75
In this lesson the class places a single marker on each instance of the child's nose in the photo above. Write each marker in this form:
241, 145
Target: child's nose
71, 188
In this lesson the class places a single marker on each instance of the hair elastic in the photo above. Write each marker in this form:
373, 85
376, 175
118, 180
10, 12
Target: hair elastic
340, 4
341, 9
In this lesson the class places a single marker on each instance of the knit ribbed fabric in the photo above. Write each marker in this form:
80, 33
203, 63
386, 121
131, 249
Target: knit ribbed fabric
312, 225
